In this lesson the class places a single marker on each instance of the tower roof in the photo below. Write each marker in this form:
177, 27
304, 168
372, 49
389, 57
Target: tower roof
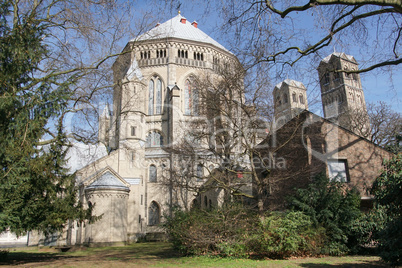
290, 82
339, 55
178, 27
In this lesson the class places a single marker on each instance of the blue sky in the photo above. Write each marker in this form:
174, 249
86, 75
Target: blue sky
378, 85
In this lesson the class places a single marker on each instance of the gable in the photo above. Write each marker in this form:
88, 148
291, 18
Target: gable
106, 179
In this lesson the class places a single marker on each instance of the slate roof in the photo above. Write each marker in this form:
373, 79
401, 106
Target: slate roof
175, 28
340, 55
107, 181
291, 82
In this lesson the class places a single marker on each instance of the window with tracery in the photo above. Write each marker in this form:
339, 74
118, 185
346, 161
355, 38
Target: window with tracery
154, 139
155, 96
191, 99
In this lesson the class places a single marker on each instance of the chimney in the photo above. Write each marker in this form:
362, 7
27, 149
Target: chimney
195, 24
183, 20
157, 24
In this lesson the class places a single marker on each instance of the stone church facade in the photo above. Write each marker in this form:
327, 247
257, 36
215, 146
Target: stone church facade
154, 100
154, 103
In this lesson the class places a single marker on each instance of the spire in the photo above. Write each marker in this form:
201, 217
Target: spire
106, 112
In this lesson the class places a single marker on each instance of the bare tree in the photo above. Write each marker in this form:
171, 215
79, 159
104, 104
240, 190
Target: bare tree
385, 125
274, 32
216, 155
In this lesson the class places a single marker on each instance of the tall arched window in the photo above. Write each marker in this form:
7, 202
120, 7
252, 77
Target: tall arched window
159, 97
153, 173
151, 97
200, 172
155, 96
191, 99
301, 99
153, 214
154, 139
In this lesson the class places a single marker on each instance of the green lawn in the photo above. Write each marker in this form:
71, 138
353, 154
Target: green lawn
162, 255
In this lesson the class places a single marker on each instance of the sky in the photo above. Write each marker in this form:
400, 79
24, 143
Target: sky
377, 85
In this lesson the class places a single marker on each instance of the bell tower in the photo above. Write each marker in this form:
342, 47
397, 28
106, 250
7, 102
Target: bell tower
290, 98
342, 93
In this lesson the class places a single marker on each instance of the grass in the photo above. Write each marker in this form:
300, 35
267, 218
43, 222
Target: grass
162, 255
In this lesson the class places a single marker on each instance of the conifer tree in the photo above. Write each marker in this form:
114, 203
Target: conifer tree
36, 192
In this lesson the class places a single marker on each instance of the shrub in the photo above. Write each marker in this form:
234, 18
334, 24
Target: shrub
219, 231
333, 206
388, 192
3, 255
235, 231
282, 235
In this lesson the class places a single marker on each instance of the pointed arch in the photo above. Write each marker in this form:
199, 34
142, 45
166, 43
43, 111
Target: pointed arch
191, 97
153, 174
153, 214
154, 139
151, 90
155, 95
158, 108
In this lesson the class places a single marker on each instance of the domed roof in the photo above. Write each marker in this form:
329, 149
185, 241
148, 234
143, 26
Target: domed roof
178, 27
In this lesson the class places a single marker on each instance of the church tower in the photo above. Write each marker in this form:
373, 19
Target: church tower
290, 99
104, 126
342, 93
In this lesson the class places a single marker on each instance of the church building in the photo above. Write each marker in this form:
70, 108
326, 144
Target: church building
155, 101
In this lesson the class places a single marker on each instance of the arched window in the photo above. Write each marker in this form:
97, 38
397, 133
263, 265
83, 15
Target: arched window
278, 101
301, 99
285, 98
154, 139
153, 214
158, 97
153, 173
200, 172
151, 97
326, 78
294, 98
205, 201
155, 96
191, 99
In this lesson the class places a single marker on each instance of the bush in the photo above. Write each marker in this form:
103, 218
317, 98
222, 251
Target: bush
235, 231
388, 192
333, 206
3, 255
282, 235
218, 232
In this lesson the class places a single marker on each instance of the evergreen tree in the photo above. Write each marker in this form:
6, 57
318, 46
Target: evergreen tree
388, 192
333, 206
36, 192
